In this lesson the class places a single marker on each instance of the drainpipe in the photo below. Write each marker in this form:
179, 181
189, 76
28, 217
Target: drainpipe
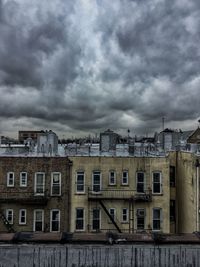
197, 195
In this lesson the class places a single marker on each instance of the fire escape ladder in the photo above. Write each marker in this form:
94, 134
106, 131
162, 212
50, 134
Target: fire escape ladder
110, 217
6, 223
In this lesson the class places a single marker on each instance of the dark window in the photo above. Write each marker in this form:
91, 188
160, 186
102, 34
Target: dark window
156, 182
172, 176
96, 181
80, 182
140, 182
140, 219
156, 219
79, 219
96, 219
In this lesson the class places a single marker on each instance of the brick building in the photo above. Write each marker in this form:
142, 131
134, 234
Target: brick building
34, 193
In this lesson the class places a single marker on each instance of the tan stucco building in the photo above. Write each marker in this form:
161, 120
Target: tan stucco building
124, 194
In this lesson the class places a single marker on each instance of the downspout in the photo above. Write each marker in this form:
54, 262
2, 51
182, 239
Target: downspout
197, 195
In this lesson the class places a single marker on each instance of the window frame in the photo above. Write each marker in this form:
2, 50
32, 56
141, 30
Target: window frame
99, 219
8, 179
20, 217
112, 177
51, 220
12, 216
60, 183
80, 184
157, 219
25, 184
140, 183
34, 220
140, 217
112, 212
80, 219
93, 184
160, 182
127, 180
43, 185
172, 176
127, 215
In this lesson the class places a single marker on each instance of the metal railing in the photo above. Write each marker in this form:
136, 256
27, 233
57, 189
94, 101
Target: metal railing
120, 194
27, 197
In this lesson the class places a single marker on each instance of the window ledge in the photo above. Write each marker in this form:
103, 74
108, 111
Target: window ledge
80, 193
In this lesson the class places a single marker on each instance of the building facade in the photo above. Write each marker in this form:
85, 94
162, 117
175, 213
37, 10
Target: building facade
34, 194
120, 194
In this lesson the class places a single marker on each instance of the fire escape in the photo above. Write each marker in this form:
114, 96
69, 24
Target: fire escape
22, 198
131, 196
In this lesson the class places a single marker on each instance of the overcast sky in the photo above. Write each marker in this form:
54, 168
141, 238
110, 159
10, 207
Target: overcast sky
82, 66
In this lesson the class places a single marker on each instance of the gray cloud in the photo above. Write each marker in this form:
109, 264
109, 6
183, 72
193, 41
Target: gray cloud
84, 66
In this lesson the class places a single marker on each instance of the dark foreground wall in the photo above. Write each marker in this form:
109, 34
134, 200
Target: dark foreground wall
99, 255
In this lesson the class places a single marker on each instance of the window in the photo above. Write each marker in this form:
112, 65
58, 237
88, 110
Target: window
96, 182
9, 216
23, 179
112, 178
140, 219
172, 176
140, 182
55, 184
10, 179
112, 212
79, 219
96, 219
156, 219
157, 183
80, 177
39, 183
22, 216
124, 215
55, 221
38, 224
125, 178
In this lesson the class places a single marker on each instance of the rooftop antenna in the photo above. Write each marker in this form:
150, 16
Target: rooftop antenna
163, 123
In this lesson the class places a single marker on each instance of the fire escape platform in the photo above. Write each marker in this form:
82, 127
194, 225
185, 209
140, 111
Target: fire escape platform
29, 199
128, 195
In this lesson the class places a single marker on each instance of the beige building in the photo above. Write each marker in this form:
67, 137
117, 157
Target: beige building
123, 194
187, 191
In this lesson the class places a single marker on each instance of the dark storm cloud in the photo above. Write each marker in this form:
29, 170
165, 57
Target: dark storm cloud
86, 65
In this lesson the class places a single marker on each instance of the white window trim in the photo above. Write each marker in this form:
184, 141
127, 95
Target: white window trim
155, 193
59, 184
137, 216
99, 219
98, 192
20, 213
127, 215
157, 230
13, 184
23, 185
125, 171
39, 194
51, 212
114, 218
80, 230
7, 211
80, 192
110, 183
140, 183
34, 217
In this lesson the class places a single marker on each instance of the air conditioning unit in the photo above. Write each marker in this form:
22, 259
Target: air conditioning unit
140, 212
